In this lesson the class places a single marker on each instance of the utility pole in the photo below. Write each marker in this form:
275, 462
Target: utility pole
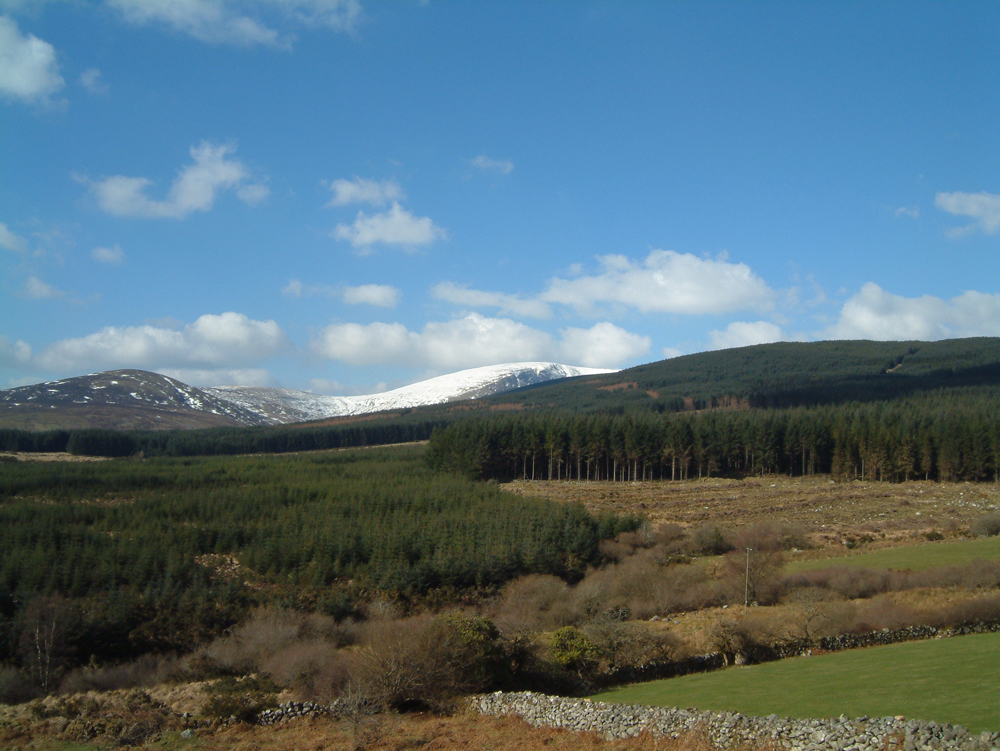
746, 589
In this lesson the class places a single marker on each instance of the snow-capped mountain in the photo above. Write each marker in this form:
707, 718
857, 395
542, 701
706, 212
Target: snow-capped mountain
280, 406
119, 399
137, 399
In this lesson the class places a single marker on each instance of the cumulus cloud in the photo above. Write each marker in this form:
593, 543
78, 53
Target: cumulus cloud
229, 340
508, 304
473, 341
237, 22
983, 207
13, 353
360, 190
379, 295
502, 166
10, 241
911, 211
744, 334
874, 313
397, 226
29, 70
92, 81
666, 282
113, 255
603, 345
222, 377
194, 189
36, 289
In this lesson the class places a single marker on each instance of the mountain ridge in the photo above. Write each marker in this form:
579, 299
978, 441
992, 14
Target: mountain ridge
131, 399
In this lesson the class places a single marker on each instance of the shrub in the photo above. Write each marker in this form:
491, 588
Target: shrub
145, 671
241, 699
572, 650
710, 540
986, 526
15, 687
745, 636
533, 603
416, 662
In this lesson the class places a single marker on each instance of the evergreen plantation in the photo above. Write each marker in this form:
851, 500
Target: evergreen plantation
948, 435
161, 554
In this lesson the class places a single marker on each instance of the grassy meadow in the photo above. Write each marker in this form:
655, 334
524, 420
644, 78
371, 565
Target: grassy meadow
913, 557
946, 680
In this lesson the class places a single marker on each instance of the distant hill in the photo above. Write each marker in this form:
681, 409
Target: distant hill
283, 406
783, 374
140, 400
120, 399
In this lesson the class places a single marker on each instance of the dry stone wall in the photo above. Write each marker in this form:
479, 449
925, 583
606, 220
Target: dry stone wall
727, 729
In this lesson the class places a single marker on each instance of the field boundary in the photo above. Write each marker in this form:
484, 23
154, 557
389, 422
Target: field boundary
729, 729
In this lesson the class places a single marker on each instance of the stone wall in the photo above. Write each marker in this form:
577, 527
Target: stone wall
726, 729
768, 653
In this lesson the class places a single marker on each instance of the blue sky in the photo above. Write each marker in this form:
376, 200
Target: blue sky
344, 196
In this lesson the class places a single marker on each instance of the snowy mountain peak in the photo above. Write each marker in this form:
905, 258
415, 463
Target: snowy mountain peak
280, 406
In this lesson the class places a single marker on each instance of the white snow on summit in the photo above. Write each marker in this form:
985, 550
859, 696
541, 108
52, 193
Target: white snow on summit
280, 406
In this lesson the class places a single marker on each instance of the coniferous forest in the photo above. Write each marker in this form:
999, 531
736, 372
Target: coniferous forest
948, 436
160, 554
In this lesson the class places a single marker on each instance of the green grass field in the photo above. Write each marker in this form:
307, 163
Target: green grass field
947, 680
926, 555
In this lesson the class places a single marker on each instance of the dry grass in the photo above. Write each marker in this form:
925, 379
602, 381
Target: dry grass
830, 512
389, 732
54, 456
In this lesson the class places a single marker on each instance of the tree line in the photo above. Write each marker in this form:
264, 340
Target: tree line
954, 435
217, 441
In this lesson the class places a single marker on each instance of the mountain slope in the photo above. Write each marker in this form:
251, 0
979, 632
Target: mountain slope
121, 399
283, 406
139, 400
775, 375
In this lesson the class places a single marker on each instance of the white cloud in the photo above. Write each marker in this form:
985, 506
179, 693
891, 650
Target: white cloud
744, 334
393, 227
876, 314
473, 341
234, 21
10, 241
483, 162
230, 340
910, 211
113, 255
379, 295
92, 81
211, 21
13, 353
194, 189
294, 288
983, 207
360, 190
29, 70
508, 304
36, 289
666, 282
253, 193
603, 345
222, 377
